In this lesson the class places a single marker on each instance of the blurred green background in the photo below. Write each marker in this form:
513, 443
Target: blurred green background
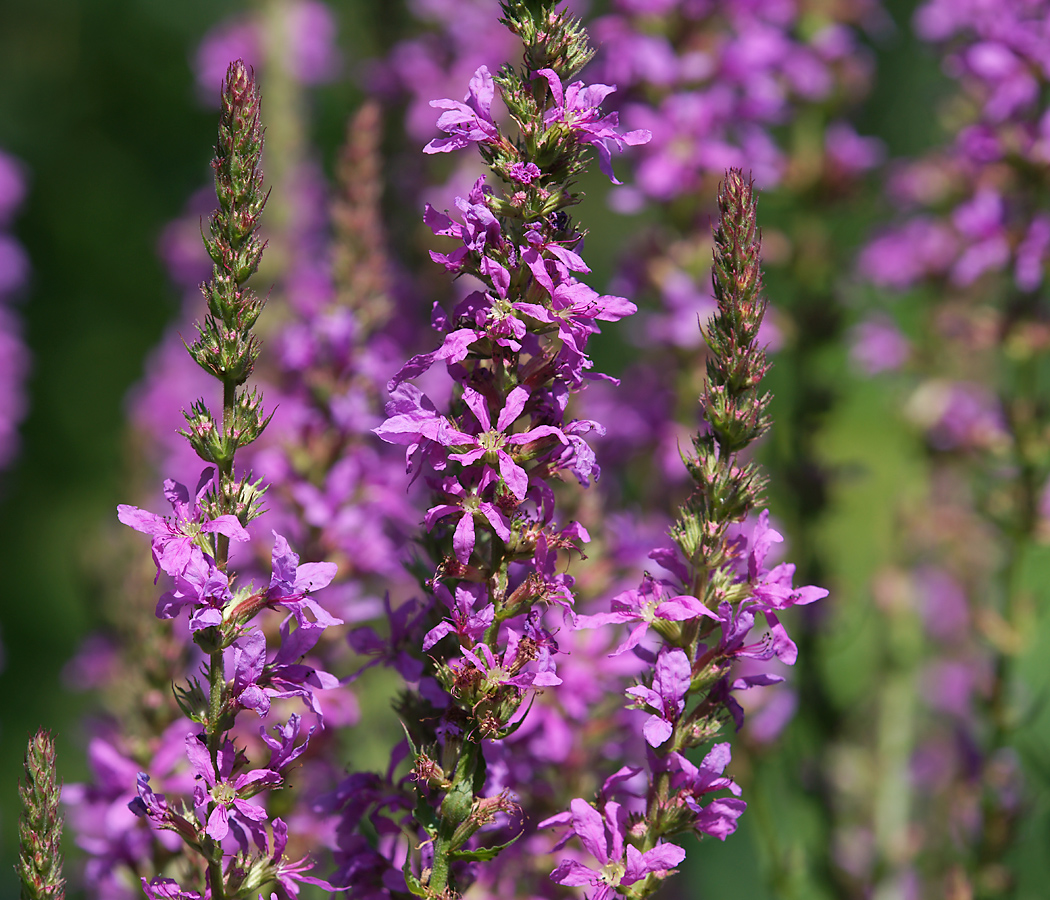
98, 98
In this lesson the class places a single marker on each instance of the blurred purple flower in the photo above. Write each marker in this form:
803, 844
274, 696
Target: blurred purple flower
12, 187
877, 345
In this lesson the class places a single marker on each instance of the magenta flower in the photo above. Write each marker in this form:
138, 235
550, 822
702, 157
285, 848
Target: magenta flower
291, 581
470, 506
603, 838
177, 542
773, 587
490, 443
501, 671
470, 121
644, 605
223, 791
577, 109
877, 345
413, 420
255, 682
201, 586
465, 621
666, 698
690, 783
168, 889
291, 874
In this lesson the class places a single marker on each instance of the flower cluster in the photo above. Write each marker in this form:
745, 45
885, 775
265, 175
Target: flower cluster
969, 208
712, 80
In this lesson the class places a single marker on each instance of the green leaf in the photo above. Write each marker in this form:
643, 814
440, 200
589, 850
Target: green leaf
414, 884
485, 853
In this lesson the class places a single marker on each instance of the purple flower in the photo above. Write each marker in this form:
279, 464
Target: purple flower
201, 586
12, 186
470, 506
470, 121
666, 698
414, 420
168, 889
177, 543
644, 605
291, 874
14, 367
290, 583
489, 444
900, 258
507, 670
878, 345
14, 266
224, 791
283, 748
465, 622
689, 783
603, 837
255, 682
524, 173
772, 588
576, 108
737, 625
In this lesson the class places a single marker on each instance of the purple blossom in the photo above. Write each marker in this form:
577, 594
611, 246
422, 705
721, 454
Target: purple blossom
643, 606
290, 874
14, 368
414, 420
524, 173
14, 266
690, 783
176, 543
12, 187
255, 682
666, 698
502, 671
878, 345
772, 588
469, 505
465, 621
576, 108
290, 583
223, 791
490, 443
850, 153
470, 121
603, 837
168, 889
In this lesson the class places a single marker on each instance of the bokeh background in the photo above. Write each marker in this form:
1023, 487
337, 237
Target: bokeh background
99, 100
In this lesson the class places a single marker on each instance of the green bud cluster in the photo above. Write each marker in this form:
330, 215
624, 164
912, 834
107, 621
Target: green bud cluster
552, 39
40, 825
225, 345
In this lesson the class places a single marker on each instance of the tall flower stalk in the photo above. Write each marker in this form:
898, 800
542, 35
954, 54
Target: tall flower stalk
514, 351
232, 838
720, 583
